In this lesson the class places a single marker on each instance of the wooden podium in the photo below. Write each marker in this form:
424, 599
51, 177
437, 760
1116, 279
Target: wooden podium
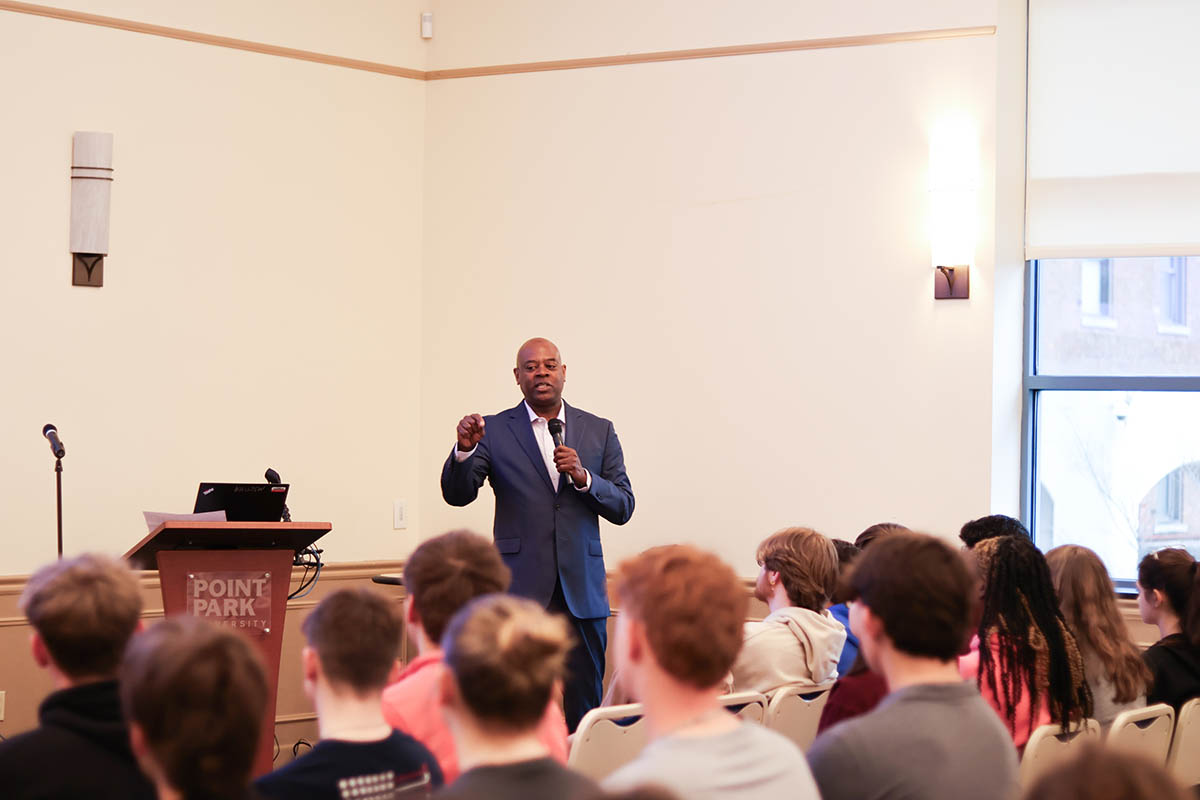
236, 574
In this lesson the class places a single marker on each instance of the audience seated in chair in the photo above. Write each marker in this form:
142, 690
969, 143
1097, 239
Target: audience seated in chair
1115, 672
83, 612
679, 631
933, 736
194, 695
799, 641
990, 527
1169, 598
441, 576
505, 658
1023, 658
353, 645
846, 553
1102, 773
858, 689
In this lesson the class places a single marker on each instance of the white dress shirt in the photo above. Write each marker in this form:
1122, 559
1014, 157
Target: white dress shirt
545, 443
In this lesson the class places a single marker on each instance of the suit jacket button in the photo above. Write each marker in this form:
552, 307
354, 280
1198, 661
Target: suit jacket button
556, 506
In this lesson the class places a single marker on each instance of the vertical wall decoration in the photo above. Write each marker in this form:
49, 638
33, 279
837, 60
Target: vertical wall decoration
91, 195
953, 204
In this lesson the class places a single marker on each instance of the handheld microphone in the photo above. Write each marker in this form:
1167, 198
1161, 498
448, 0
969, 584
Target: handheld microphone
273, 477
56, 446
555, 427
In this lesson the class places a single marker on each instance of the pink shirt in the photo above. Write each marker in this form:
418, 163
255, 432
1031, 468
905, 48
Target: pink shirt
412, 705
968, 667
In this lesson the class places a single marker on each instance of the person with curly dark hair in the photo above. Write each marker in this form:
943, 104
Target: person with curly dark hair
1024, 658
977, 530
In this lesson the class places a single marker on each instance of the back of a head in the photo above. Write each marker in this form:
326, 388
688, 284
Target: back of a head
198, 693
847, 553
356, 633
807, 564
864, 539
1020, 609
1088, 603
1176, 574
920, 589
446, 572
990, 527
85, 610
692, 606
1105, 773
506, 654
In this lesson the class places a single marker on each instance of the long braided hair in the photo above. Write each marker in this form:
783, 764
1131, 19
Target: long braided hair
1036, 651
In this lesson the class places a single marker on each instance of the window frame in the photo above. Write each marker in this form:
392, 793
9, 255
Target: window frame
1033, 383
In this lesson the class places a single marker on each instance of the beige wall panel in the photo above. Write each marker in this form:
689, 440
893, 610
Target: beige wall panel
733, 255
261, 303
371, 30
470, 33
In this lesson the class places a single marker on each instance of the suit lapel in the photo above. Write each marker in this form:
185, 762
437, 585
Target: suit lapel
518, 422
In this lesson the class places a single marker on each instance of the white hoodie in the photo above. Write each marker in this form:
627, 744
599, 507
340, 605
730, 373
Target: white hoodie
791, 646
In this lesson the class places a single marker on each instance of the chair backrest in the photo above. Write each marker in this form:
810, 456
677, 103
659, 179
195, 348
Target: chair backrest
1184, 761
1048, 746
608, 738
750, 706
1144, 730
795, 711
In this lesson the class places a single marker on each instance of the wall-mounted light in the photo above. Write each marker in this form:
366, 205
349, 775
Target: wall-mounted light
91, 193
953, 204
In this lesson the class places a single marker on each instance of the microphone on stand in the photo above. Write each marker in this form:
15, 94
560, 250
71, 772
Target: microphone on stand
56, 446
273, 477
555, 427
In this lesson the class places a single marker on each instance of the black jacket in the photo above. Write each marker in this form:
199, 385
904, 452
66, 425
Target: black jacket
80, 750
1176, 667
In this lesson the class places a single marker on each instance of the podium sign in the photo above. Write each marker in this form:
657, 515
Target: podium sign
235, 574
235, 598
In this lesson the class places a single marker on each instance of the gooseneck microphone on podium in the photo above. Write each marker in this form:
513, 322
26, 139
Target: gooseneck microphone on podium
273, 477
556, 431
56, 447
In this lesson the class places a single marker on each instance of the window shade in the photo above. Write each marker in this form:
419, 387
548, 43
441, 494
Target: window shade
1113, 128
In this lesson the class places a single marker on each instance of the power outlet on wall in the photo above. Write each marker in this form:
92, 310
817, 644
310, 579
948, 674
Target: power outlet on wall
399, 515
2, 705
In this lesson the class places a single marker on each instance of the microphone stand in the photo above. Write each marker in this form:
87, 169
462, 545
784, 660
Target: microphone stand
58, 492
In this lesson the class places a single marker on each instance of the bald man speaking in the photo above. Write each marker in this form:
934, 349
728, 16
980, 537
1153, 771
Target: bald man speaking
548, 503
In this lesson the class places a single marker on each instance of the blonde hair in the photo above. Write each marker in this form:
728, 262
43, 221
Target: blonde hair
1088, 603
506, 654
85, 609
807, 563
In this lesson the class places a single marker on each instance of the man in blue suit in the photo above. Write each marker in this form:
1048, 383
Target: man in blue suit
548, 503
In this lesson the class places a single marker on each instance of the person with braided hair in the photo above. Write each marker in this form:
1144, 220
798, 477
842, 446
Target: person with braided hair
1169, 597
1024, 658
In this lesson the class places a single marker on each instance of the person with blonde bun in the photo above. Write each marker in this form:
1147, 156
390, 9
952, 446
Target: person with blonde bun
505, 658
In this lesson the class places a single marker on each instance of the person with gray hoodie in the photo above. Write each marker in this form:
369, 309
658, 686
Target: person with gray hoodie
799, 642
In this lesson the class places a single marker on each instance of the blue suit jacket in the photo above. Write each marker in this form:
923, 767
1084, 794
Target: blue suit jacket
546, 532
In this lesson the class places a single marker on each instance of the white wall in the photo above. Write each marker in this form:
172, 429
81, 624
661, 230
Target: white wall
322, 269
261, 303
732, 255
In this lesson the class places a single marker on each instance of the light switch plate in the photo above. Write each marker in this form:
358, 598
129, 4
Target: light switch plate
399, 515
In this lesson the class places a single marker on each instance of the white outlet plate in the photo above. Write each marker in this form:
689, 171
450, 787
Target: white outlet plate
2, 706
399, 515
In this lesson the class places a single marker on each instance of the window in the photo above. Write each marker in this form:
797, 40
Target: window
1112, 447
1168, 503
1172, 293
1095, 295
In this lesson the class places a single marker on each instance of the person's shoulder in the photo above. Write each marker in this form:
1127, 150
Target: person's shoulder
21, 754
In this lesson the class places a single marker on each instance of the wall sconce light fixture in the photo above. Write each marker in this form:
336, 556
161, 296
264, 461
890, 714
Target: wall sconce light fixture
91, 194
953, 205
